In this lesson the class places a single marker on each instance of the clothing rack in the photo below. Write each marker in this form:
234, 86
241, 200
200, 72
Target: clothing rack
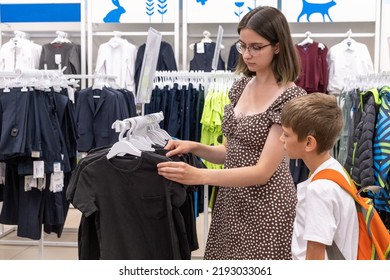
195, 76
29, 75
187, 75
34, 77
90, 77
39, 34
348, 35
377, 85
90, 28
328, 35
367, 82
206, 78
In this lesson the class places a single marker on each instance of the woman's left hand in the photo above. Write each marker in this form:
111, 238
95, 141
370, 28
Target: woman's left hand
180, 172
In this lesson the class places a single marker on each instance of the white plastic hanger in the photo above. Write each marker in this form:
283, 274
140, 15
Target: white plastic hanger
19, 35
100, 83
135, 135
206, 38
349, 39
19, 38
307, 40
156, 134
122, 147
116, 40
62, 37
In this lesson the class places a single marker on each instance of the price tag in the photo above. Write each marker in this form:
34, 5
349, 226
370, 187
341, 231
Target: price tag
41, 183
38, 169
35, 154
29, 183
57, 182
2, 172
200, 47
57, 167
57, 59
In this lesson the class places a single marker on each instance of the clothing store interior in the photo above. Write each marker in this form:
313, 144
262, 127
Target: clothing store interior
86, 69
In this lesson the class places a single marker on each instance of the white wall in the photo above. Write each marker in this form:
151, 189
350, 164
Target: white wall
384, 63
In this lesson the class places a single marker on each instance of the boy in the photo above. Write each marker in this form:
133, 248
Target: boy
326, 214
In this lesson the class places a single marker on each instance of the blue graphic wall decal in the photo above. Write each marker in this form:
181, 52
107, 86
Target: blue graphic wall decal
149, 9
239, 13
254, 6
114, 15
240, 4
162, 8
61, 12
316, 8
201, 1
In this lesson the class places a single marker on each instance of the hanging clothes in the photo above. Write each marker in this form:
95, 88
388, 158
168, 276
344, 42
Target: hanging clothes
314, 67
166, 60
19, 53
118, 57
182, 106
348, 104
347, 59
364, 137
214, 105
359, 161
37, 129
381, 154
140, 200
64, 54
203, 57
232, 58
96, 110
156, 218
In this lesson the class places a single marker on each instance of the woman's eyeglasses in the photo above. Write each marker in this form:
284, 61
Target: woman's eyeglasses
254, 49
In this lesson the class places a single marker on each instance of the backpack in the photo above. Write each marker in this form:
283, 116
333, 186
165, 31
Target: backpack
374, 238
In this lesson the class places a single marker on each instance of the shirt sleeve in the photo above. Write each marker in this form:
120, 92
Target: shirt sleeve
84, 197
321, 206
101, 60
275, 110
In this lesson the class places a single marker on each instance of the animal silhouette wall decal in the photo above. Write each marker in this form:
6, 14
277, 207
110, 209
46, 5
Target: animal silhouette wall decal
115, 15
316, 8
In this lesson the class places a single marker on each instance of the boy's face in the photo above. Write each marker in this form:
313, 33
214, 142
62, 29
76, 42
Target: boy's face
294, 148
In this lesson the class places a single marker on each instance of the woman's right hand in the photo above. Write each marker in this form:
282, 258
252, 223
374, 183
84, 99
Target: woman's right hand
178, 147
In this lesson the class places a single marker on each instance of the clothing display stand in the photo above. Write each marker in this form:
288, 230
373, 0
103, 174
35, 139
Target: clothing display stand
138, 31
30, 76
206, 79
347, 34
369, 32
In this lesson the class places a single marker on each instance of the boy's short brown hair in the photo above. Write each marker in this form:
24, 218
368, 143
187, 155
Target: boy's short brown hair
316, 114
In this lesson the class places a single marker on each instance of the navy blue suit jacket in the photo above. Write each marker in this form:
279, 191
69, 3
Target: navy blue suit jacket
95, 116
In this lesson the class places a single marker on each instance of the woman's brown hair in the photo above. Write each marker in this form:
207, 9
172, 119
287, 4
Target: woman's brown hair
272, 25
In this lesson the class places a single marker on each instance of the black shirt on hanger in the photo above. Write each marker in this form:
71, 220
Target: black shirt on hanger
136, 207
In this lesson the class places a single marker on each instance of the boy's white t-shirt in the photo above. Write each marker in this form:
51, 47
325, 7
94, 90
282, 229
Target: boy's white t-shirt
325, 212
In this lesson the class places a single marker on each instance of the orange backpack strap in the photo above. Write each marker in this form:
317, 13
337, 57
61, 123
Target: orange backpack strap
348, 186
374, 238
338, 178
333, 250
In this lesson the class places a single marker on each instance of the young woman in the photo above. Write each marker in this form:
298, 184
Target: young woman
255, 207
